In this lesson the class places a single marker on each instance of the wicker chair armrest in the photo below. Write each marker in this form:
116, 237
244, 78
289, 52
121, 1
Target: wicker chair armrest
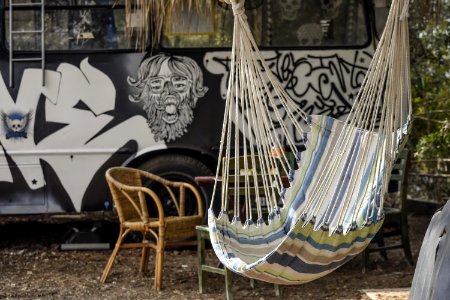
159, 179
157, 202
197, 195
179, 202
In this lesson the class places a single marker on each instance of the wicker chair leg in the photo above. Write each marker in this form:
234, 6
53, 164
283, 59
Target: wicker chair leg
144, 257
156, 284
159, 268
145, 252
112, 257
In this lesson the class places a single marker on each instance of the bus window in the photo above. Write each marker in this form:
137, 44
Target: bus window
319, 23
210, 28
71, 25
186, 21
381, 14
286, 23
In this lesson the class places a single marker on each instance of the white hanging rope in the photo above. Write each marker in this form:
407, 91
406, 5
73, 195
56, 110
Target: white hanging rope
255, 129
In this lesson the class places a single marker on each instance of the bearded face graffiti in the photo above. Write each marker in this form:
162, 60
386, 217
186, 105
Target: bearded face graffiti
169, 87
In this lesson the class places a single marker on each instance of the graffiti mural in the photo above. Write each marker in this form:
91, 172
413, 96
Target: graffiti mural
63, 131
323, 84
319, 84
169, 87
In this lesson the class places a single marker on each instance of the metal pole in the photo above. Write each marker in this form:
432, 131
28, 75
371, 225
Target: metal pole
10, 45
43, 41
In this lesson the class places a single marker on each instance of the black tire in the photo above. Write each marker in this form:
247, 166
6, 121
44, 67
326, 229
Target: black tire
177, 167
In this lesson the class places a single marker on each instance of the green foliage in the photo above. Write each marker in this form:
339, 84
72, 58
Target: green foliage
434, 144
430, 61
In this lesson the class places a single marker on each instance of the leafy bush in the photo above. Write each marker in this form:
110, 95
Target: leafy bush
430, 60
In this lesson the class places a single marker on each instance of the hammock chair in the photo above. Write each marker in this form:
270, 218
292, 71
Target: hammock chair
333, 204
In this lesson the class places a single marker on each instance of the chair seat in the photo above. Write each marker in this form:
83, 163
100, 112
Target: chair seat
182, 227
176, 227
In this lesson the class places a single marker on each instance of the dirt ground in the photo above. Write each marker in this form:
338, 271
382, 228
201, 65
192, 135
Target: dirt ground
32, 266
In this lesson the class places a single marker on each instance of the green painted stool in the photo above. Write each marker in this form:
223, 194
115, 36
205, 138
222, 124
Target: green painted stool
202, 235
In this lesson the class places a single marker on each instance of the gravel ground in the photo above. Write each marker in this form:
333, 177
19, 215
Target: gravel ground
32, 266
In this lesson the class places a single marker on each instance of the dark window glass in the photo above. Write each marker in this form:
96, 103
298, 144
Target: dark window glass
212, 27
70, 25
70, 2
318, 23
281, 23
381, 14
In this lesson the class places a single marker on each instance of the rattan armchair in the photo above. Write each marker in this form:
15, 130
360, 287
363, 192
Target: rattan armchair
130, 201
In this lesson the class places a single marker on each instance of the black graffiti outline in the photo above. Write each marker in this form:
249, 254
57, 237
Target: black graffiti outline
342, 78
333, 71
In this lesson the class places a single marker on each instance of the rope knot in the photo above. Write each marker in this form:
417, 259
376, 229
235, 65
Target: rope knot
237, 6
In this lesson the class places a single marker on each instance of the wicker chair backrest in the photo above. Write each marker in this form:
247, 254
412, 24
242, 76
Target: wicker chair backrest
123, 183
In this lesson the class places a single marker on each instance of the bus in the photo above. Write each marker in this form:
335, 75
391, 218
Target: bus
77, 98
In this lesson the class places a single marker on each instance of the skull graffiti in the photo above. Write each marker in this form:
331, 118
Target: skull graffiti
15, 124
289, 9
310, 34
330, 7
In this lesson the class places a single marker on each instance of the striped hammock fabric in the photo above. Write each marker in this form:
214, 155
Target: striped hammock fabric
333, 205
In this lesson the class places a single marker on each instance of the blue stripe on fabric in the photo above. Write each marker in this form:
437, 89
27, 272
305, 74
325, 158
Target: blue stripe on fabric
377, 210
375, 197
300, 266
324, 134
344, 179
361, 192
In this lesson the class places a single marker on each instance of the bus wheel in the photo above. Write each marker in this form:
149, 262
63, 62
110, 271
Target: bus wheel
177, 167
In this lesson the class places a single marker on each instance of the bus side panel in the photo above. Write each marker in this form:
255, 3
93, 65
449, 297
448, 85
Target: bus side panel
85, 120
74, 124
90, 108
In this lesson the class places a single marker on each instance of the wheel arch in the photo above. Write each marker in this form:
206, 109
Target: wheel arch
179, 164
206, 157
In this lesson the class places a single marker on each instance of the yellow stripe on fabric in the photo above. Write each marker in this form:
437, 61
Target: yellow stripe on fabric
321, 237
290, 276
